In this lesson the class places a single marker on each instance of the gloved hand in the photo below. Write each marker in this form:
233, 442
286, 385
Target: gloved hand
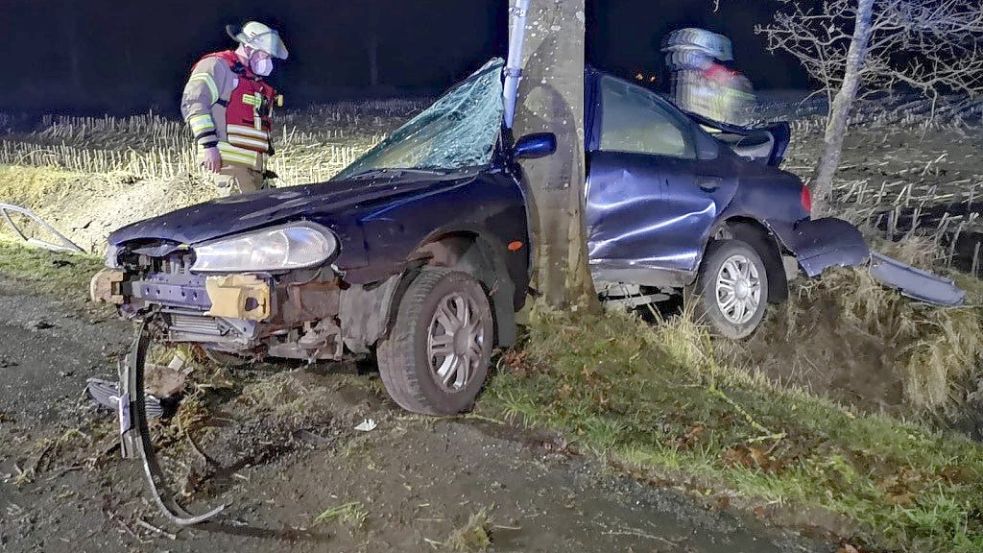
212, 160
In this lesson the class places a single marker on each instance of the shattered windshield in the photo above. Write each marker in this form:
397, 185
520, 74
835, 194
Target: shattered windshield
459, 130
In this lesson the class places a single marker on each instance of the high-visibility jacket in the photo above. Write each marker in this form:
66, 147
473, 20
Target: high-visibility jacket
229, 107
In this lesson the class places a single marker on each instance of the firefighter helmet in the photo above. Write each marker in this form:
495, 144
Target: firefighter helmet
700, 41
260, 37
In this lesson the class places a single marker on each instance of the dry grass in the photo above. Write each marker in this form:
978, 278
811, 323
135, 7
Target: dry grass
849, 338
658, 404
351, 514
473, 537
312, 144
289, 399
148, 164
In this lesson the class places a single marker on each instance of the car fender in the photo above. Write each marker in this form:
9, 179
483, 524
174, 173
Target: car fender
367, 312
760, 235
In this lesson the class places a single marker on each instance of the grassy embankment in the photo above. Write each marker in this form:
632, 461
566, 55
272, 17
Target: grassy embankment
658, 403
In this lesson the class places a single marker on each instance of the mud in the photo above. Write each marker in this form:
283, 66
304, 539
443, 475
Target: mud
417, 479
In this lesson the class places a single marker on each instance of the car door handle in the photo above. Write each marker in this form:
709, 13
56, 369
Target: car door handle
708, 184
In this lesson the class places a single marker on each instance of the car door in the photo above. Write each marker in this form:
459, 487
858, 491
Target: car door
650, 201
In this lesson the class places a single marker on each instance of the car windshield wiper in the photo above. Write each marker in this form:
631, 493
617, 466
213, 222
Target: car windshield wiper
400, 171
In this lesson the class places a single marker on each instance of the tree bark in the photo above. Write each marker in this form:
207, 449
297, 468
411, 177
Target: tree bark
839, 115
551, 99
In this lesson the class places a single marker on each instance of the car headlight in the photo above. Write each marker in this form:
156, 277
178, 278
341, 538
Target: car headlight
295, 246
111, 261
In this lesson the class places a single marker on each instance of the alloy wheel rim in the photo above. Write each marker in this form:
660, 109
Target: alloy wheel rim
455, 342
738, 289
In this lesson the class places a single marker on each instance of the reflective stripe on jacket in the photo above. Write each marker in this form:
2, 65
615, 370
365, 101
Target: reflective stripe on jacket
226, 105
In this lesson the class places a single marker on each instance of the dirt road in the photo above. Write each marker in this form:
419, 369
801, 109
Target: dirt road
407, 485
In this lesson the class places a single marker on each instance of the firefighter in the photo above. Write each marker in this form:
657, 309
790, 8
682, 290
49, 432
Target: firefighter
229, 108
702, 83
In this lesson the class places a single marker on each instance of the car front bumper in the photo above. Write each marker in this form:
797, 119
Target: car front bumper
246, 314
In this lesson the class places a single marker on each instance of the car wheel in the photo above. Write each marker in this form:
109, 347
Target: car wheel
436, 356
731, 292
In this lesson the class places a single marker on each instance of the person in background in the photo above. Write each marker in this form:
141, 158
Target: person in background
701, 82
229, 108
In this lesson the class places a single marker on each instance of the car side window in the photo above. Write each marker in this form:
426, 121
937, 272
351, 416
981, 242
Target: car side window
634, 122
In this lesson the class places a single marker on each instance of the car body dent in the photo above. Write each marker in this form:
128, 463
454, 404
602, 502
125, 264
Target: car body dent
649, 218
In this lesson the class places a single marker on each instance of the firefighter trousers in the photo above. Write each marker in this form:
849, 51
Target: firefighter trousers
233, 179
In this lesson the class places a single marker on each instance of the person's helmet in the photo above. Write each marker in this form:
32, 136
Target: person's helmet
700, 42
260, 37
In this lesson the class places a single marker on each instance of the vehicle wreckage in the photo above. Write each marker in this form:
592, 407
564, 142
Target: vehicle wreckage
419, 252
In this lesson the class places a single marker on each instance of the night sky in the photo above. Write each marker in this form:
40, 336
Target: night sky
117, 56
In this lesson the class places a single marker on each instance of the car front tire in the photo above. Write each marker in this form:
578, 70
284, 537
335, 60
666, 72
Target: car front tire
435, 359
731, 291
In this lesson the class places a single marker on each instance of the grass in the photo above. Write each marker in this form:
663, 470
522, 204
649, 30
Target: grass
656, 403
474, 536
352, 514
31, 186
913, 357
63, 275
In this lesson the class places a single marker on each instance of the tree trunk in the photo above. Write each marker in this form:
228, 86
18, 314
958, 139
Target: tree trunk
551, 99
839, 115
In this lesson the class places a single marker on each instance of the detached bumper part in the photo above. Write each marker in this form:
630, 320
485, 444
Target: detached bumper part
106, 287
824, 243
135, 433
914, 283
106, 394
830, 242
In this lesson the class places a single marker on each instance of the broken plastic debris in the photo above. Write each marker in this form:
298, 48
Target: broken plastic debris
106, 394
366, 425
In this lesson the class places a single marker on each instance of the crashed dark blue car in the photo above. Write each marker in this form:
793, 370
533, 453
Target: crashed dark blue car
676, 202
419, 252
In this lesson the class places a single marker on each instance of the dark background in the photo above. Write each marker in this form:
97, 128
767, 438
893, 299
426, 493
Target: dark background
118, 56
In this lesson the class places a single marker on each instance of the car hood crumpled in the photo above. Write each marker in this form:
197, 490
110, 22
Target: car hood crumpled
240, 213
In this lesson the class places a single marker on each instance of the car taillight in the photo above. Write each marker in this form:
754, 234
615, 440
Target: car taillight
806, 199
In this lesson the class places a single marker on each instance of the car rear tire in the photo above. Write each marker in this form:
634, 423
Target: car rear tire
435, 359
731, 291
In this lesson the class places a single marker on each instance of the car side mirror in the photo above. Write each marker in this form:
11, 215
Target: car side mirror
532, 146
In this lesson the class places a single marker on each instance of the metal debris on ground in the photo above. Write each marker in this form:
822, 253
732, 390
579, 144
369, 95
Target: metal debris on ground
62, 245
135, 442
106, 394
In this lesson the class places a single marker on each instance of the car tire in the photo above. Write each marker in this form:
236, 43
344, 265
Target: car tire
731, 290
435, 359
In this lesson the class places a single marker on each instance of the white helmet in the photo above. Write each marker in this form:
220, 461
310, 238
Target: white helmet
260, 37
700, 41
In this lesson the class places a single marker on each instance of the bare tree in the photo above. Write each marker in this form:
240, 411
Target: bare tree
551, 99
853, 47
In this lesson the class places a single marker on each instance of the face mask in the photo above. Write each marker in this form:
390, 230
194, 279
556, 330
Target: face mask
261, 66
